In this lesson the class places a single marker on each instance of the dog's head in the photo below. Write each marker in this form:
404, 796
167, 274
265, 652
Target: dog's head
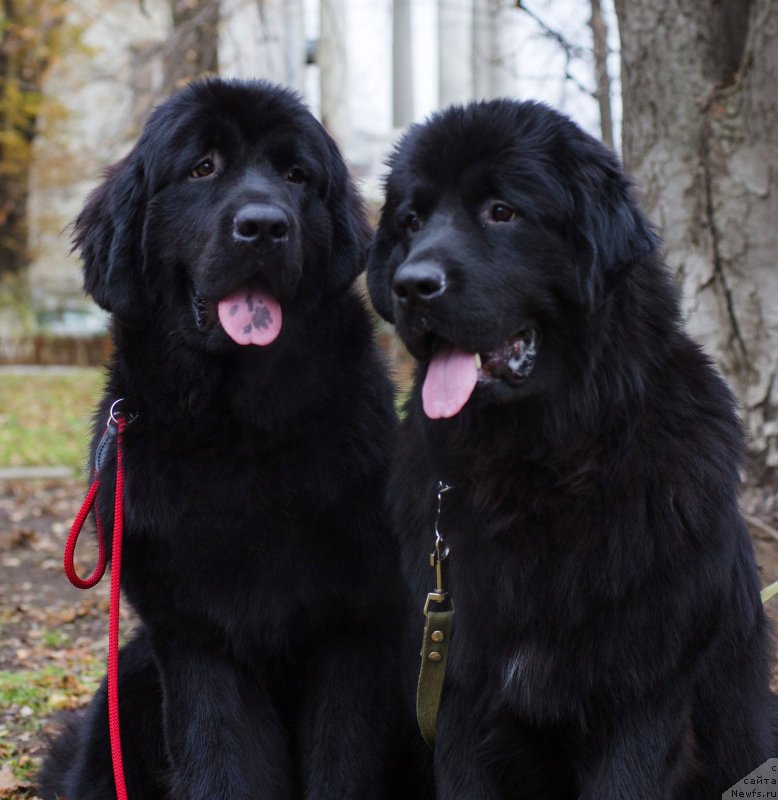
504, 230
233, 203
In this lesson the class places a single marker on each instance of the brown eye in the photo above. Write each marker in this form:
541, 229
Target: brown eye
499, 212
205, 168
412, 222
296, 175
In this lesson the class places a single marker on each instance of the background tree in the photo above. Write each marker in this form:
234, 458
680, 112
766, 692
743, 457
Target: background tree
602, 78
192, 48
596, 53
700, 135
32, 34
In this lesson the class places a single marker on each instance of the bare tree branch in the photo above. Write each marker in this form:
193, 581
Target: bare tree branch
572, 50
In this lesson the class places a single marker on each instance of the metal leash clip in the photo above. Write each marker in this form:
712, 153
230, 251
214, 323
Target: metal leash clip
438, 560
109, 434
438, 630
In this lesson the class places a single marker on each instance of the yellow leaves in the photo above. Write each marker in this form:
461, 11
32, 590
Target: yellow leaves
33, 35
70, 693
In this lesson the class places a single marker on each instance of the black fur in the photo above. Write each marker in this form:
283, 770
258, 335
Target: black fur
609, 640
256, 552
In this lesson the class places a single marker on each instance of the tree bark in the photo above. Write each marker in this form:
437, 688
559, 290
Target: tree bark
701, 138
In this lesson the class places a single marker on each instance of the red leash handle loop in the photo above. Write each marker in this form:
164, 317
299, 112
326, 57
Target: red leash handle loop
70, 545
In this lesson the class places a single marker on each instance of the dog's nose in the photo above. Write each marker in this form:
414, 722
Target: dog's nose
261, 223
419, 282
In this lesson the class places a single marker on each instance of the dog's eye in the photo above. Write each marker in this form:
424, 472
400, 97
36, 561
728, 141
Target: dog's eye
499, 212
205, 168
412, 222
296, 175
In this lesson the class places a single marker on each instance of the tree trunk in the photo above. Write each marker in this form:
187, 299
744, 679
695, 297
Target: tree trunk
29, 39
192, 49
701, 138
600, 47
14, 255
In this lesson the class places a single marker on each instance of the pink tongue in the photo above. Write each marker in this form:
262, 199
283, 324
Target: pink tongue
250, 316
451, 378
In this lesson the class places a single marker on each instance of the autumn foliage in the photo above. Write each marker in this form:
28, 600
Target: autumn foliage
33, 36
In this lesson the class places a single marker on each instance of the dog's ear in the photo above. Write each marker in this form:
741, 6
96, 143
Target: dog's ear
611, 235
377, 271
108, 234
350, 227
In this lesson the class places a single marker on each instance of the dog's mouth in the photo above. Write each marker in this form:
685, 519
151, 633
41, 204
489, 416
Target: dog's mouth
250, 315
453, 373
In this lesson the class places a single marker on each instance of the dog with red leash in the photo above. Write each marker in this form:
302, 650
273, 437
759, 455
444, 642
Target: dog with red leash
257, 425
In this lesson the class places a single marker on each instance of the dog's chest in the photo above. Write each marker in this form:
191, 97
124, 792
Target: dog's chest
524, 675
259, 521
512, 624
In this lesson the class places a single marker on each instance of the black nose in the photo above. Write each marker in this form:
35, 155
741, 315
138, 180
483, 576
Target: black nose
261, 223
419, 282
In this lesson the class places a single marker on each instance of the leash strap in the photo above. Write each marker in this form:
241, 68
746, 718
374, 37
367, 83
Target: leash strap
113, 623
434, 656
437, 636
113, 431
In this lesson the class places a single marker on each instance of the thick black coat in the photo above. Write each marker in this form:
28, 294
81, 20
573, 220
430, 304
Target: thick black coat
609, 642
256, 552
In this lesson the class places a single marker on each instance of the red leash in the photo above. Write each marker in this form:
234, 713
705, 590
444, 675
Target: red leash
114, 429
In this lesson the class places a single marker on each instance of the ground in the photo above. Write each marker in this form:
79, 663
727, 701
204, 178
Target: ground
54, 636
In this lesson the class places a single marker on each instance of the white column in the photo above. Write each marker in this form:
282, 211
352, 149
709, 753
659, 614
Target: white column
332, 58
455, 51
402, 63
251, 39
271, 40
294, 44
495, 44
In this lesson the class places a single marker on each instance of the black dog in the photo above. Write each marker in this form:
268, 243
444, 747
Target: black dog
256, 555
609, 640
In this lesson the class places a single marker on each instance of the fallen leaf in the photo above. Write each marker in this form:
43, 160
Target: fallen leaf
7, 780
57, 701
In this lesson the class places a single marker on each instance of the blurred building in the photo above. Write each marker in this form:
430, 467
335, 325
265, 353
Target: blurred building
367, 68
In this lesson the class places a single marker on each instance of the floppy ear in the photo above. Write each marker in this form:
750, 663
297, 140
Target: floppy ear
108, 234
611, 235
350, 227
377, 271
